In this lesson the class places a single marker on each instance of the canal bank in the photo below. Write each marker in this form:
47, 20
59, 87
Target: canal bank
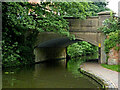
104, 76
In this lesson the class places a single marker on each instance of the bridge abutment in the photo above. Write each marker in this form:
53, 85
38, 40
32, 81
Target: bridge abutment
102, 50
103, 16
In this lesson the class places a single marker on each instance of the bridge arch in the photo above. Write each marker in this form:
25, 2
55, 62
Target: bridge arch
50, 45
53, 49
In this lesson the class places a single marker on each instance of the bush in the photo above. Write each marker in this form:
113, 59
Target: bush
110, 25
112, 41
81, 49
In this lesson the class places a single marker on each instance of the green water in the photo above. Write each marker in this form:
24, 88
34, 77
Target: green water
47, 75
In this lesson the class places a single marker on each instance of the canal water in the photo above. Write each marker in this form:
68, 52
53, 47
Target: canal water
53, 74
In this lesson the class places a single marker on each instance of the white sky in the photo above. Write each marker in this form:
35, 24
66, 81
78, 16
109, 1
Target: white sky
113, 5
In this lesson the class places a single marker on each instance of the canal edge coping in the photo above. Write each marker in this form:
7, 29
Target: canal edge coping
102, 81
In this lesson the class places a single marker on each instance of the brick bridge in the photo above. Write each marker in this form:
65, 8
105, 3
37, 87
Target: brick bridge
50, 45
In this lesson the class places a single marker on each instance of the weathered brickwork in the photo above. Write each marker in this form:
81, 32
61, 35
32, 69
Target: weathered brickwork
113, 57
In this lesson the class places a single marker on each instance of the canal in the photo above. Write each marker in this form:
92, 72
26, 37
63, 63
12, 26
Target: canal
51, 74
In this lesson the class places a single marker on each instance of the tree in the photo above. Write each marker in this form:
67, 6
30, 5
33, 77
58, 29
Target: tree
110, 25
96, 7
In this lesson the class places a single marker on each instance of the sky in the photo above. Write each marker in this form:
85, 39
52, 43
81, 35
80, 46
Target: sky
113, 5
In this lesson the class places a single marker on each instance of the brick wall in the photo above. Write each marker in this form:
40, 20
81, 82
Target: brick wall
114, 58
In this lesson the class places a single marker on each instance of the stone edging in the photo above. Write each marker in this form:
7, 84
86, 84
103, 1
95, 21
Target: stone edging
99, 79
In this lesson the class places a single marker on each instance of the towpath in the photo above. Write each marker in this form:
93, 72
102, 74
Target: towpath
105, 74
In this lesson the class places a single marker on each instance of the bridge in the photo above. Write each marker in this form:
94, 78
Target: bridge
50, 45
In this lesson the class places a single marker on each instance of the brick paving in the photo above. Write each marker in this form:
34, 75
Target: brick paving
103, 73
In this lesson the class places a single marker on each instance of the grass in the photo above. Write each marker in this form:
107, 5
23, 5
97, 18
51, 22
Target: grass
112, 67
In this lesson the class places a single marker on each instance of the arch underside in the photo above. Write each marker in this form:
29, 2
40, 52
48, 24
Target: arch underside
57, 42
93, 38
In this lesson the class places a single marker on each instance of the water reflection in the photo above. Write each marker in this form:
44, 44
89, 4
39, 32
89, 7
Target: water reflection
47, 75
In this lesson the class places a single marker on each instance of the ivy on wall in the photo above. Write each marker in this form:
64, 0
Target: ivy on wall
110, 25
112, 41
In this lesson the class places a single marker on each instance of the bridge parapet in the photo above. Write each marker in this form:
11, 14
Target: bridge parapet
89, 25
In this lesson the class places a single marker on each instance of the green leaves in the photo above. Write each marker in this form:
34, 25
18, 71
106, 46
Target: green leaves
112, 41
10, 55
96, 7
110, 25
16, 29
81, 49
